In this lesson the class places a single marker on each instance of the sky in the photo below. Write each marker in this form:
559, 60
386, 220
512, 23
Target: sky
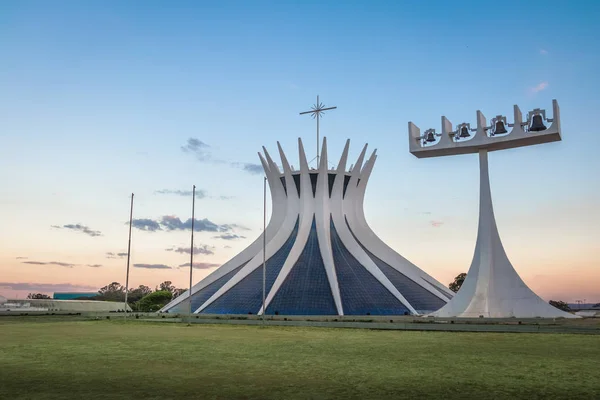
101, 99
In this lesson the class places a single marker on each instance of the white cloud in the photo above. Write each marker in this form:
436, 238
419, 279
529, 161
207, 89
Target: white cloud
46, 287
543, 52
539, 87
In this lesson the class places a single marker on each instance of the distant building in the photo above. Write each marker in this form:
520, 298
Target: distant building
20, 306
73, 295
584, 306
63, 305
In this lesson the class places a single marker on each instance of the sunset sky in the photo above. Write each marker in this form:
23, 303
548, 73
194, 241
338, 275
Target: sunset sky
99, 99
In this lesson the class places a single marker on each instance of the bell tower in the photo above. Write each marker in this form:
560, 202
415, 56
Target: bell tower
493, 288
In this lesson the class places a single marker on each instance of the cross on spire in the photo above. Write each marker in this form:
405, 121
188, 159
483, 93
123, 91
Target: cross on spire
316, 110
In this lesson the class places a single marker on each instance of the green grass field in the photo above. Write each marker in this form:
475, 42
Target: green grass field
117, 360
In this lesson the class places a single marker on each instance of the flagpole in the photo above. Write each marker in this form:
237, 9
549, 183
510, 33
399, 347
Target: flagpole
264, 277
192, 256
128, 254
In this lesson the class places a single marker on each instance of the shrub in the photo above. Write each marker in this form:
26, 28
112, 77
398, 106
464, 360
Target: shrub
561, 305
154, 301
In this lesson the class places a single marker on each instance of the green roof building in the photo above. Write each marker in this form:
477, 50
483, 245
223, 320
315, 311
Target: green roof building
72, 295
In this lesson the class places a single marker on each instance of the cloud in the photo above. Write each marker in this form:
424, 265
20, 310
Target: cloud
229, 236
46, 287
539, 87
21, 258
200, 265
201, 249
418, 212
152, 266
200, 194
203, 154
543, 52
60, 264
254, 169
172, 223
79, 228
145, 224
115, 255
436, 224
227, 247
198, 148
236, 226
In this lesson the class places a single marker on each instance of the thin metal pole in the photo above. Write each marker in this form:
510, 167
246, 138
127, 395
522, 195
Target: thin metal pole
264, 279
318, 115
192, 255
128, 254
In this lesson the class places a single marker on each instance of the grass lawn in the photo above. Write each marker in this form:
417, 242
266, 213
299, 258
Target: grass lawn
116, 360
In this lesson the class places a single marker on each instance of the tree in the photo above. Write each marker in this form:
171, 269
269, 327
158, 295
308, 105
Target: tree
136, 295
38, 296
458, 281
112, 292
154, 301
166, 286
169, 287
561, 305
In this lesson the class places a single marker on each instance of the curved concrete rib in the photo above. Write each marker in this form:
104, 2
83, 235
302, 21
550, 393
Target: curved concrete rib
359, 254
322, 212
275, 237
277, 217
355, 174
306, 212
375, 245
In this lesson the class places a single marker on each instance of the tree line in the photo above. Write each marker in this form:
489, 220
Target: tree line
142, 298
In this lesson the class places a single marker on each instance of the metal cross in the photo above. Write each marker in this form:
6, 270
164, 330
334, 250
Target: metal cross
317, 109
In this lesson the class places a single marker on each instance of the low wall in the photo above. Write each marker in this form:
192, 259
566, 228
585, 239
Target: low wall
71, 305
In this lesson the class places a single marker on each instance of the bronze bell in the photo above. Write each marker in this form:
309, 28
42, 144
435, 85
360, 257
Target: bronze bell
537, 124
500, 128
464, 132
430, 137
